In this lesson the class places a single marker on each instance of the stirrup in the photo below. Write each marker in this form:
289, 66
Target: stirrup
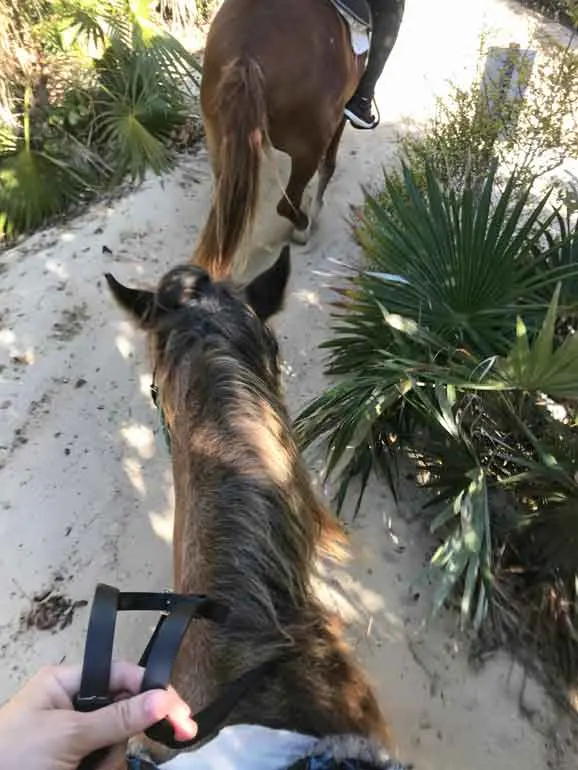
357, 122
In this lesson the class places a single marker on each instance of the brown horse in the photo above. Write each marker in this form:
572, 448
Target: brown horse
248, 526
275, 73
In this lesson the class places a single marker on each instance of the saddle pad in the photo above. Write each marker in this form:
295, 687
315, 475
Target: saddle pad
245, 747
357, 16
254, 747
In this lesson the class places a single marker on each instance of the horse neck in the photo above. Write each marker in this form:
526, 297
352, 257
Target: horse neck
247, 531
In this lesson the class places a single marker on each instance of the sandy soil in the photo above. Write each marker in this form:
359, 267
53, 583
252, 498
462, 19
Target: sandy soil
85, 490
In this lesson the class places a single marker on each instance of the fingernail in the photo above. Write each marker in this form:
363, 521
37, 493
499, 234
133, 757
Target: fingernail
185, 730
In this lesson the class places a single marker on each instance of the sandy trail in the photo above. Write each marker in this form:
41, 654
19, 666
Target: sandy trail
85, 488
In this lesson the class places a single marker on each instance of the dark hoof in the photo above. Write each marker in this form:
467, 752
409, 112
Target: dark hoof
298, 219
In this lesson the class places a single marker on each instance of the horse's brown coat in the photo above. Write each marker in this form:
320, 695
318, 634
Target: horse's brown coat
248, 525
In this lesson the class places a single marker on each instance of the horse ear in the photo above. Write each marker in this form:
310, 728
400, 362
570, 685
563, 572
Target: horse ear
265, 294
138, 302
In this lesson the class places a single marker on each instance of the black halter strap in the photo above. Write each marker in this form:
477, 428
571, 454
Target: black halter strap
178, 610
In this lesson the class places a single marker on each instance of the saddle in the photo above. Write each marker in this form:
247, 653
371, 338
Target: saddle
357, 15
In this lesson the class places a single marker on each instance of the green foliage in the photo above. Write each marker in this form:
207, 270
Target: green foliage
35, 186
39, 182
135, 109
465, 555
542, 365
564, 11
473, 128
113, 88
456, 344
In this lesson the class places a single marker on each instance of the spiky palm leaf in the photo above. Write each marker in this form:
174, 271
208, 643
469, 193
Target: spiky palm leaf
449, 272
537, 516
430, 332
36, 186
126, 25
563, 251
467, 262
39, 182
465, 556
136, 110
541, 364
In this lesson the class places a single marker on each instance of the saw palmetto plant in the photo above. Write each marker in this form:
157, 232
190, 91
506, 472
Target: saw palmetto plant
456, 345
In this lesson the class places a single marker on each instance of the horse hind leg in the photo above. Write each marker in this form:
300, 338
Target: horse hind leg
302, 170
326, 171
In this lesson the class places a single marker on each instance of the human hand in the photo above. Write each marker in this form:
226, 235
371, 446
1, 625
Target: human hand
40, 730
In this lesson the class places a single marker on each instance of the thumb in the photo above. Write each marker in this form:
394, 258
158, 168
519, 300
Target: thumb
124, 719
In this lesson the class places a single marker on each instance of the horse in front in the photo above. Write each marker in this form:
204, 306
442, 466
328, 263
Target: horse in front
276, 74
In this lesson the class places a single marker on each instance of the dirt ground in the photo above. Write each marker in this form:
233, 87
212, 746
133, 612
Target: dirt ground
85, 487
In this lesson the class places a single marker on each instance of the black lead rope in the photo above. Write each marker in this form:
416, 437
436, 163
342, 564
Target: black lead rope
178, 610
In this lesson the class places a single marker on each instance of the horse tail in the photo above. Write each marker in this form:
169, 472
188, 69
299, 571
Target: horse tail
241, 113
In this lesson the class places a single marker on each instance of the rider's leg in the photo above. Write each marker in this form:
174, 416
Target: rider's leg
387, 16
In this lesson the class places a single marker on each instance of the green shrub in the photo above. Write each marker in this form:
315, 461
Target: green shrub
112, 89
475, 127
564, 11
456, 345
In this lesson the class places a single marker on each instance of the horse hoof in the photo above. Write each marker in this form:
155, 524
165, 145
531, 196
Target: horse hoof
301, 237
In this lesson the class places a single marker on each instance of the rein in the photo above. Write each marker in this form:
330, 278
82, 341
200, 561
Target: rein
177, 613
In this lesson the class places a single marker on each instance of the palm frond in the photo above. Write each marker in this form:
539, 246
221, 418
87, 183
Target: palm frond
92, 30
465, 556
464, 262
428, 331
541, 365
131, 144
36, 186
117, 119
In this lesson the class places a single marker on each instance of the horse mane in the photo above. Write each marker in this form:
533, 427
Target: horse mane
249, 526
242, 379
